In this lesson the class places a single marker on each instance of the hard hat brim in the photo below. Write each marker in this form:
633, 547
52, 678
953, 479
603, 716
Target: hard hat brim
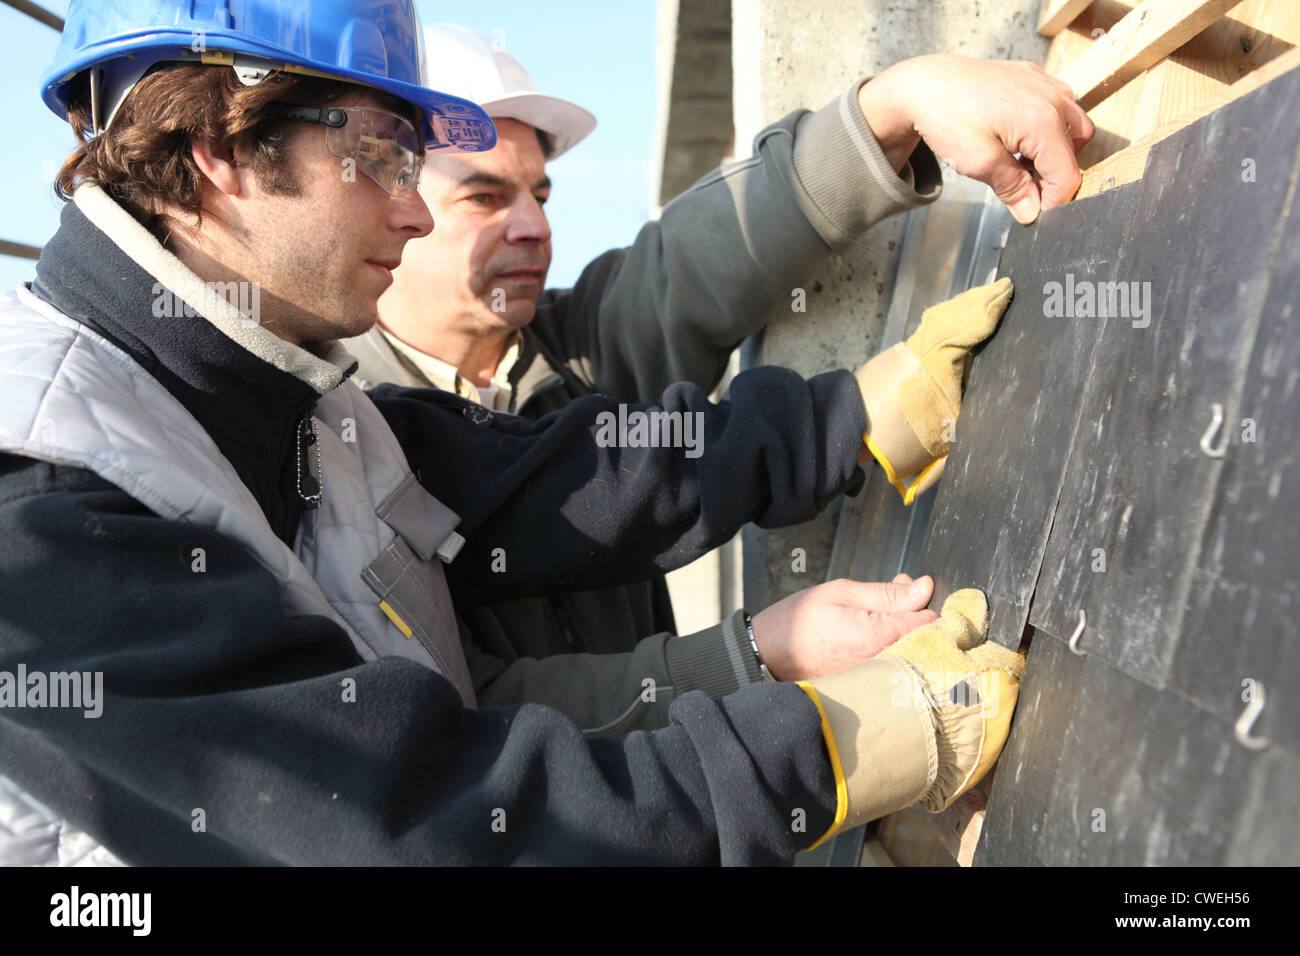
450, 122
564, 121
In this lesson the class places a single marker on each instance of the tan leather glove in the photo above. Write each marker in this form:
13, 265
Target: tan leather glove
913, 391
922, 721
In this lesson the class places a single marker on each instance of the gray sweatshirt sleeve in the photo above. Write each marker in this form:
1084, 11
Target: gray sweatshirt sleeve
612, 694
672, 306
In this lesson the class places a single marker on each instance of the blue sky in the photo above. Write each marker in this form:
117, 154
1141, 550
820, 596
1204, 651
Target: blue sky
598, 54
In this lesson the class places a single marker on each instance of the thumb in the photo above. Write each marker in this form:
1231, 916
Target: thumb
966, 613
1014, 185
891, 597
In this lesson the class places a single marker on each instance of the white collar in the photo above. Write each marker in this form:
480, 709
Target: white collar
444, 375
323, 372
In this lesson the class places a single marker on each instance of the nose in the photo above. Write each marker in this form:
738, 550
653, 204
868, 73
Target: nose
410, 215
528, 221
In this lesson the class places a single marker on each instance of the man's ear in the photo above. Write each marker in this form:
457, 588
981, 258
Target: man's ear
220, 164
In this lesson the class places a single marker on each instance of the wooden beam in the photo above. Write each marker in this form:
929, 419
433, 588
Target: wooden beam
1056, 15
1153, 30
1127, 165
1253, 33
910, 838
873, 854
959, 826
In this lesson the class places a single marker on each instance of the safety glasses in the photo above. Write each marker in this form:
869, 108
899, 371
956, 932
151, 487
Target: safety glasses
383, 145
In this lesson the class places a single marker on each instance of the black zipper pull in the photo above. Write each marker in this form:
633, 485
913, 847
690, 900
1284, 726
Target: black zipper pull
310, 489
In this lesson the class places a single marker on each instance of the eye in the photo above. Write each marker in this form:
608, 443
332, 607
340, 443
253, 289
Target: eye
542, 200
482, 199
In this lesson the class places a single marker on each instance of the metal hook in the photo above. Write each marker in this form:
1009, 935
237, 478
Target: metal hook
1078, 633
1247, 721
1217, 411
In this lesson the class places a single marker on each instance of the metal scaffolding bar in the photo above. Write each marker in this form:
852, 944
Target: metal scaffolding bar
36, 13
19, 249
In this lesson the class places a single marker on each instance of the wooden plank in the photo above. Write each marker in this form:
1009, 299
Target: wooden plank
873, 854
1256, 32
1096, 21
959, 826
1111, 117
1232, 47
1153, 30
1058, 14
909, 840
1126, 166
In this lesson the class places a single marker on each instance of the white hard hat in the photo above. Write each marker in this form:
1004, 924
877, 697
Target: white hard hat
467, 64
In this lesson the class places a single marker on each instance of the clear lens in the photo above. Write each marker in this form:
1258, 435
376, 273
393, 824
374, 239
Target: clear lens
384, 146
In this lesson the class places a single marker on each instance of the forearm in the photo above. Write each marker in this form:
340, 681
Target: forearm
883, 103
727, 252
557, 504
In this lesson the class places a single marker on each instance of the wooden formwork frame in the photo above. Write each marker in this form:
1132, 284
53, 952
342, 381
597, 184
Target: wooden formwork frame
1145, 70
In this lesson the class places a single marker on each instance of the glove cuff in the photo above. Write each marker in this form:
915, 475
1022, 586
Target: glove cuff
880, 738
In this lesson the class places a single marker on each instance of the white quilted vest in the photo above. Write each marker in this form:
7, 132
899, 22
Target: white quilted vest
369, 558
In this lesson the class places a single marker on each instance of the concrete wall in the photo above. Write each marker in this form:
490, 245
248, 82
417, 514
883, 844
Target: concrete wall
692, 138
694, 123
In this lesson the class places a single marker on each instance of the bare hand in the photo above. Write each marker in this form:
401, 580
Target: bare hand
976, 114
838, 624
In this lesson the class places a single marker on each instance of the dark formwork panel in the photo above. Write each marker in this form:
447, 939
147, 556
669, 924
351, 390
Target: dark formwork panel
1138, 486
1266, 827
1143, 778
993, 510
1022, 787
1130, 754
1101, 769
1241, 621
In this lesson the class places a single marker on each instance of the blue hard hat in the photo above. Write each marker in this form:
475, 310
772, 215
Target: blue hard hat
376, 43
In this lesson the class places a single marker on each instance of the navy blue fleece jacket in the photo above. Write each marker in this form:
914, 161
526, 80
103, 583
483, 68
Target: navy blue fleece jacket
214, 700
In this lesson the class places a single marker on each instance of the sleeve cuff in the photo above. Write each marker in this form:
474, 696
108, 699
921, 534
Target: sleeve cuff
717, 660
847, 177
832, 752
